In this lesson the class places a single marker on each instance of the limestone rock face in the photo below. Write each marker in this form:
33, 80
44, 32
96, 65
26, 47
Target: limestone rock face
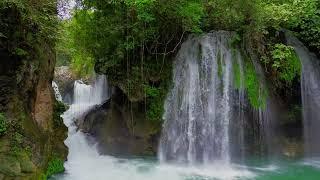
120, 128
27, 102
43, 109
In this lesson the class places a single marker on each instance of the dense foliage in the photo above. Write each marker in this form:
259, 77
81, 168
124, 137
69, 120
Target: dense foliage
24, 24
286, 62
309, 28
134, 41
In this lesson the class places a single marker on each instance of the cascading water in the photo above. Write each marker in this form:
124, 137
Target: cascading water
310, 93
200, 106
56, 91
80, 149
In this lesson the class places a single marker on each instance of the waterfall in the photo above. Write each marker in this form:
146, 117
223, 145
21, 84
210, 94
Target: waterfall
200, 106
56, 91
310, 93
91, 94
80, 148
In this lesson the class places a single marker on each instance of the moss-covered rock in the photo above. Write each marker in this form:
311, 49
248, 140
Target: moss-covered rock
27, 102
10, 166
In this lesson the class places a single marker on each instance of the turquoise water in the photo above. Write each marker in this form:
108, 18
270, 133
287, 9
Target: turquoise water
292, 170
110, 168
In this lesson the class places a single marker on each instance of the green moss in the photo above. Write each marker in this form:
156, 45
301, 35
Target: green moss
3, 124
257, 94
16, 164
16, 143
10, 166
55, 166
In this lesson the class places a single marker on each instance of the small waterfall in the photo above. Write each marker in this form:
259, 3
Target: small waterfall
80, 148
91, 94
200, 106
56, 91
310, 93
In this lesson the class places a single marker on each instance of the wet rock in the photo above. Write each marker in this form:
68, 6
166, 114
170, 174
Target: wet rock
65, 78
120, 128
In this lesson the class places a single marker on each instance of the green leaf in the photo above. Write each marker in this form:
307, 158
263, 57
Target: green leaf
20, 52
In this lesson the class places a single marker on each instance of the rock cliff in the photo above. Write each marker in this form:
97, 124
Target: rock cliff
33, 132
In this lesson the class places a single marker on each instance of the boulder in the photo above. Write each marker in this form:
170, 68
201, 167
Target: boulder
120, 127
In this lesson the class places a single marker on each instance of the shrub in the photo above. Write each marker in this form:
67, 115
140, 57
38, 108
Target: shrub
285, 62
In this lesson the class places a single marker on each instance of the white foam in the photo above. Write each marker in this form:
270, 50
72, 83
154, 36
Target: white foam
314, 162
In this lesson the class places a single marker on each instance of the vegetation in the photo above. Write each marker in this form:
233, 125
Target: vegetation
37, 21
257, 93
286, 62
55, 166
59, 108
71, 48
27, 40
155, 102
133, 53
308, 29
3, 124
